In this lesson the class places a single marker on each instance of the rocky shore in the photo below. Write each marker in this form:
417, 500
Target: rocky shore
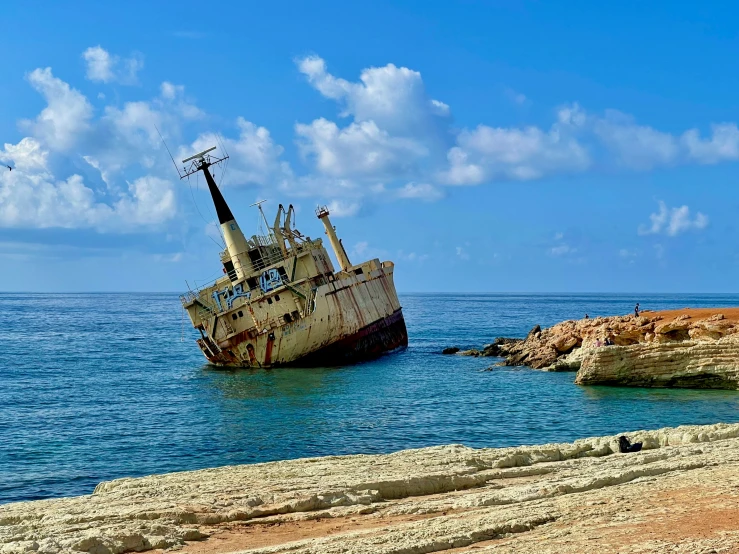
679, 494
690, 348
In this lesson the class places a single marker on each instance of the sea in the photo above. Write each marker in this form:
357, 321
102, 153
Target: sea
96, 387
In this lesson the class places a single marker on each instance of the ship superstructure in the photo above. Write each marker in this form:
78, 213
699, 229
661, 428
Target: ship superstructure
280, 300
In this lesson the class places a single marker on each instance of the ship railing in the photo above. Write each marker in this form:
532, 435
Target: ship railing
272, 258
266, 261
206, 303
255, 266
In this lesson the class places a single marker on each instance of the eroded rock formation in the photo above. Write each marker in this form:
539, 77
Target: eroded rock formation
710, 364
695, 348
548, 498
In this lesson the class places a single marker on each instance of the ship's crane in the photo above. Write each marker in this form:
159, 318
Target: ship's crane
6, 165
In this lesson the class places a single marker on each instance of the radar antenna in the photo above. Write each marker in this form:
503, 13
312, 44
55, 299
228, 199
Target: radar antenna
200, 161
258, 204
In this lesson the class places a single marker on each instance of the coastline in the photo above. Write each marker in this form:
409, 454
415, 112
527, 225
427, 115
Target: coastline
680, 348
680, 494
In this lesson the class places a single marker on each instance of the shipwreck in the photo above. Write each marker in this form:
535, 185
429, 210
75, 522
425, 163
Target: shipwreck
280, 300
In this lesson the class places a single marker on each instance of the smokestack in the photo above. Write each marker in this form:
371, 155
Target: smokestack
235, 241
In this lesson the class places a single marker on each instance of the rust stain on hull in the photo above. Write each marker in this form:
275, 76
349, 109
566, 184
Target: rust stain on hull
385, 335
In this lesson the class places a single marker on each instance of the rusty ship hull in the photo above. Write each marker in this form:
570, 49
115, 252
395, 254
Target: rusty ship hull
281, 302
353, 319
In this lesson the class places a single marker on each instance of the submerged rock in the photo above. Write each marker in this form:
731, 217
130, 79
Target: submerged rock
450, 350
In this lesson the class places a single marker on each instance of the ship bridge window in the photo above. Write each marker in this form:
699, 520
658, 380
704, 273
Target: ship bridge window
256, 259
359, 271
234, 316
269, 301
277, 297
296, 315
252, 282
282, 272
241, 314
288, 318
228, 269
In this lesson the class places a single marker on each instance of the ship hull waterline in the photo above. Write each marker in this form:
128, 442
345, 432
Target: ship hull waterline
381, 337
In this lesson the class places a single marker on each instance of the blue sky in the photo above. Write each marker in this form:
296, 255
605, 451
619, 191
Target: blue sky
481, 146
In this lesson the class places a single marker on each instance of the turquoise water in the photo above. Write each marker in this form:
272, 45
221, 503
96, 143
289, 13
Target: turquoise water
100, 386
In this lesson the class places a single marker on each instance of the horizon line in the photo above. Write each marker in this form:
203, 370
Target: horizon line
401, 292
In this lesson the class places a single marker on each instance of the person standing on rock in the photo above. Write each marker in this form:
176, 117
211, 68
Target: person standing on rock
636, 309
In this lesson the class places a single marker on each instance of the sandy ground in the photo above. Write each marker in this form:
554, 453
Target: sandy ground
731, 314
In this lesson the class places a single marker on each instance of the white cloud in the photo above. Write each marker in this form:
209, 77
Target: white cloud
150, 201
27, 155
420, 191
461, 253
254, 156
636, 146
412, 256
643, 148
363, 251
102, 67
397, 143
673, 221
168, 258
123, 142
170, 91
360, 248
67, 113
340, 208
722, 145
488, 153
517, 98
562, 249
359, 150
31, 197
393, 97
397, 129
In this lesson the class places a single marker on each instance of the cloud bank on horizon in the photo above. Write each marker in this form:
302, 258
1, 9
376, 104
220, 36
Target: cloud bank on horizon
390, 140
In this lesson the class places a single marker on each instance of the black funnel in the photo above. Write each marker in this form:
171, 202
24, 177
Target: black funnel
222, 209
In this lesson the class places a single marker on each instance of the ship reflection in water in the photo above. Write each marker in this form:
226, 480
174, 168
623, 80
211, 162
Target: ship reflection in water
281, 301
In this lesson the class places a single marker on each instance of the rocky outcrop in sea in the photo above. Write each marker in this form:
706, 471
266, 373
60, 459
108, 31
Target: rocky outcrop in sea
686, 348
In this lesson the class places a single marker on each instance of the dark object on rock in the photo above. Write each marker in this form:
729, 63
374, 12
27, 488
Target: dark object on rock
624, 445
499, 347
450, 350
536, 330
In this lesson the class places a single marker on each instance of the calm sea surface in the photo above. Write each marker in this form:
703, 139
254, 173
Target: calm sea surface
100, 386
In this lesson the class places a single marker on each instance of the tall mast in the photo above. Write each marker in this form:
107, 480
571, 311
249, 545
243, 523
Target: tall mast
236, 243
338, 247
